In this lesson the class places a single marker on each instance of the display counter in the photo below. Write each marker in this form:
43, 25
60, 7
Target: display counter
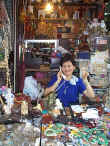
18, 135
51, 130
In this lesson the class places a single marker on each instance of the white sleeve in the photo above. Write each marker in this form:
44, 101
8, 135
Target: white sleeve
30, 87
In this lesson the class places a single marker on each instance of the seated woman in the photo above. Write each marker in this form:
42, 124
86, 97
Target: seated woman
32, 88
67, 86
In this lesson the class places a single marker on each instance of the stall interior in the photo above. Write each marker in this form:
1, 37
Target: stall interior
73, 26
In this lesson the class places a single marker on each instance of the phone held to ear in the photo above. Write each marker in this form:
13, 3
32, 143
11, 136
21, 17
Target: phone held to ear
64, 77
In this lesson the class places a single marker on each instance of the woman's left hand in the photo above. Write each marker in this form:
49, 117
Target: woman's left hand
85, 75
59, 76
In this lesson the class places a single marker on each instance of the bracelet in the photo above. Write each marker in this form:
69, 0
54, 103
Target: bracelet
55, 85
57, 82
50, 132
86, 83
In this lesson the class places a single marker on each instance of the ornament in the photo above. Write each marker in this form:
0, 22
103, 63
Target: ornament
1, 24
7, 110
39, 1
66, 16
22, 15
54, 1
59, 1
86, 1
30, 9
2, 128
76, 15
24, 108
93, 1
102, 24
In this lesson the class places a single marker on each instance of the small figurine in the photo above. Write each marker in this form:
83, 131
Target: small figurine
9, 101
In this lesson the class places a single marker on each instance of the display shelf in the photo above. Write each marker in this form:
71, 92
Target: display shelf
52, 20
56, 42
41, 70
81, 4
67, 3
48, 19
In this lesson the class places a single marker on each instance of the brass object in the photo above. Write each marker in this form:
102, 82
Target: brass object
67, 110
1, 101
24, 108
2, 128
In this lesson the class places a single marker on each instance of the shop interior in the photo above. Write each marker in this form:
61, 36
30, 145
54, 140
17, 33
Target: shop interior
34, 36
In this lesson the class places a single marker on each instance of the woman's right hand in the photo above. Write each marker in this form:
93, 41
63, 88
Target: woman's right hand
59, 76
55, 85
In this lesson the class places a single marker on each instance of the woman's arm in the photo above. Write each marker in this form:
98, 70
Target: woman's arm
89, 92
51, 89
54, 86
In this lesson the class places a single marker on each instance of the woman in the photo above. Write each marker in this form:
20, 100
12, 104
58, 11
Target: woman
67, 86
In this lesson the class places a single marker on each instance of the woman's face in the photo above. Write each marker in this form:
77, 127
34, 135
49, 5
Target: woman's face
68, 68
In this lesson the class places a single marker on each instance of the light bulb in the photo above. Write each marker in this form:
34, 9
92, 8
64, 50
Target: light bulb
49, 7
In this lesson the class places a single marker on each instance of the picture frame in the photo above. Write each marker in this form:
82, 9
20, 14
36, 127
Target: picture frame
41, 14
45, 15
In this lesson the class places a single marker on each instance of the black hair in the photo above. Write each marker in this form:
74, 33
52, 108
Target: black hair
67, 57
34, 75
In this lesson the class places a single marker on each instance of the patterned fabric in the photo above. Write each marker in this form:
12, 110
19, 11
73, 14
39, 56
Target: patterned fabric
68, 91
30, 87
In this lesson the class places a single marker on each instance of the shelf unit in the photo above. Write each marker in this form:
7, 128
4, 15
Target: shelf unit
43, 69
38, 70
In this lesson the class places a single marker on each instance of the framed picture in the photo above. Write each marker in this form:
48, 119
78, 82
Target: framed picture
41, 13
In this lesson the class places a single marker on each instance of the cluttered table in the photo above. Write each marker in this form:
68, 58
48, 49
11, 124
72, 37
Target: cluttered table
78, 125
62, 131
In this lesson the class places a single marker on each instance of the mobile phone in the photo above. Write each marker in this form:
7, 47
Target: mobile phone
64, 77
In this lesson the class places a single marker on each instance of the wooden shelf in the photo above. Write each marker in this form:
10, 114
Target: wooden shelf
81, 4
42, 55
40, 70
48, 19
55, 19
52, 19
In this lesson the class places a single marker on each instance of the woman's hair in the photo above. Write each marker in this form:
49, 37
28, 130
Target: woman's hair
67, 57
34, 76
38, 75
